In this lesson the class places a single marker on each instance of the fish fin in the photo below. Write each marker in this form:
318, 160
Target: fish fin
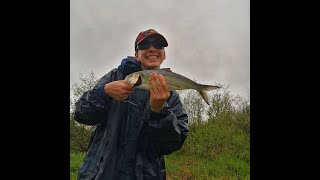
166, 69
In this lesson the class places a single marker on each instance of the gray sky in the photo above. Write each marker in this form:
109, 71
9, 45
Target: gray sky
209, 40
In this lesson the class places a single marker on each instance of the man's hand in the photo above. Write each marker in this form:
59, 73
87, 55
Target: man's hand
159, 92
118, 90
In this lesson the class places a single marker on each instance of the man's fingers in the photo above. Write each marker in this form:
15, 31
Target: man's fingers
163, 83
125, 82
126, 94
127, 86
158, 84
123, 97
153, 88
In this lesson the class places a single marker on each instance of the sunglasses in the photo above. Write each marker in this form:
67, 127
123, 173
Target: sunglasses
147, 43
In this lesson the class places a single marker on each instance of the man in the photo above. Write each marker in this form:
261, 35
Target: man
134, 128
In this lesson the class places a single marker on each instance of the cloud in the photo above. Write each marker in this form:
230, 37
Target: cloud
209, 41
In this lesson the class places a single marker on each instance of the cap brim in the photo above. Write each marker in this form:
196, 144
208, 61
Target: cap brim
163, 40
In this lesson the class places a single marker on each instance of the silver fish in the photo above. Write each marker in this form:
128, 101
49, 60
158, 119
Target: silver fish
174, 82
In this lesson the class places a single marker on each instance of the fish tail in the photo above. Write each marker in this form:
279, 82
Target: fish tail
209, 87
204, 95
205, 88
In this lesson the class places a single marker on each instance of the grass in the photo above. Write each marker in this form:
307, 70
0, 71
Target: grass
75, 162
191, 167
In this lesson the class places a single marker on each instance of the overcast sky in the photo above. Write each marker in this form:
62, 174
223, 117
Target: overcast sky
209, 40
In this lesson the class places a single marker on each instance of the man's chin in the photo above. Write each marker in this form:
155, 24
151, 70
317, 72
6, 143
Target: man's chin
152, 67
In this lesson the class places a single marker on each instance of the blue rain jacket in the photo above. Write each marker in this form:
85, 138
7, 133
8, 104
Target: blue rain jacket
129, 141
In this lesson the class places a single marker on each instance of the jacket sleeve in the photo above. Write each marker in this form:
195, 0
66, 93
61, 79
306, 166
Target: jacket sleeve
90, 108
169, 128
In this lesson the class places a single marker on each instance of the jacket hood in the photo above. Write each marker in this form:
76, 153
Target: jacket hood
129, 65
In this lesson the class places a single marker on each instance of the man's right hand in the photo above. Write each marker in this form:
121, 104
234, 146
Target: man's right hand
118, 90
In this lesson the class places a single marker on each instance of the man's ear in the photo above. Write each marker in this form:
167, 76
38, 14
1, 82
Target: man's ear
136, 55
164, 54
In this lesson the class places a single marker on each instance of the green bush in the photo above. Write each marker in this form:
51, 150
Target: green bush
79, 136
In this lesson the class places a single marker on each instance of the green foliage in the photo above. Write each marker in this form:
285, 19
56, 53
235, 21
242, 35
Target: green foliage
79, 136
217, 147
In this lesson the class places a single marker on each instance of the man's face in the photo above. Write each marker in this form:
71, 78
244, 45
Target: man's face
150, 54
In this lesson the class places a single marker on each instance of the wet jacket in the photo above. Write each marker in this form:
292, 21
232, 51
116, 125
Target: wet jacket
129, 141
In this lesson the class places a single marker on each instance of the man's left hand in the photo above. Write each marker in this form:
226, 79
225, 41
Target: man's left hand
159, 92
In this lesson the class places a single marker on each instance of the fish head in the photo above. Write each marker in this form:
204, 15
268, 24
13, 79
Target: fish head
134, 79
